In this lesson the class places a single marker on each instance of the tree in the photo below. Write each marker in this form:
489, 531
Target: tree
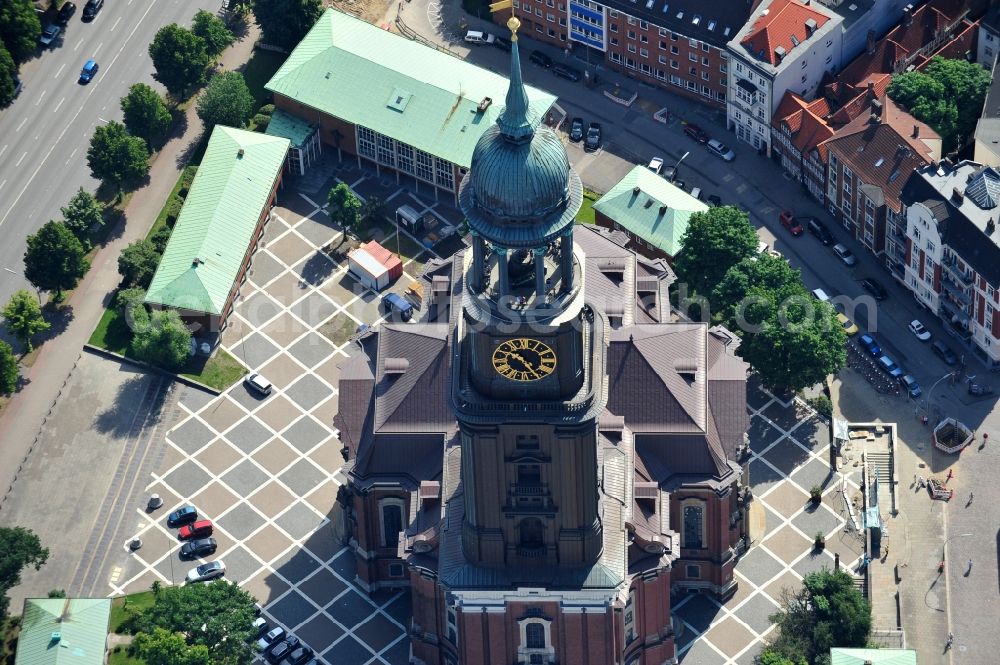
285, 22
714, 241
965, 85
225, 610
8, 72
116, 157
23, 317
9, 374
19, 548
20, 28
83, 213
771, 656
828, 611
179, 59
137, 263
130, 303
164, 342
162, 647
213, 32
761, 271
345, 209
226, 101
146, 115
55, 259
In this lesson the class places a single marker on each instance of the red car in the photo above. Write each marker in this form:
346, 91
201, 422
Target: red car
696, 132
199, 529
788, 220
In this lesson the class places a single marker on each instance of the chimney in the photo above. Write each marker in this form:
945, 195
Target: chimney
907, 15
779, 53
916, 131
957, 197
484, 104
663, 210
991, 226
871, 42
810, 26
636, 190
239, 153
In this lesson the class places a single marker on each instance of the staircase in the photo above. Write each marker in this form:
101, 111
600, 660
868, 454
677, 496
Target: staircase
879, 464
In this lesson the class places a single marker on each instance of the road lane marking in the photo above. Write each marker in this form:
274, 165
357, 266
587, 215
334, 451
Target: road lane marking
73, 153
21, 125
56, 109
102, 119
3, 150
61, 67
78, 45
21, 160
40, 97
98, 49
116, 24
3, 183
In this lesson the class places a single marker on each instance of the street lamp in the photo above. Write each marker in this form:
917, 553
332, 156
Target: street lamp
930, 393
944, 548
678, 165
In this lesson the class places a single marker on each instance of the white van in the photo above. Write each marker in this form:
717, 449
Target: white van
479, 37
696, 192
820, 295
409, 219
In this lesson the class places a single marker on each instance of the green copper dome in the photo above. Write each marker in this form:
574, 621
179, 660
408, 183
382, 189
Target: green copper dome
520, 190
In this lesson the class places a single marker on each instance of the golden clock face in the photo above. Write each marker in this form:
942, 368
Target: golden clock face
524, 359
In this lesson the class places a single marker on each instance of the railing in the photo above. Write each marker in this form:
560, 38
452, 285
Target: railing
531, 551
528, 490
951, 266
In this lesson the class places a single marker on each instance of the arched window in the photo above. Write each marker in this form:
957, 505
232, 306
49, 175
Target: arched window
391, 521
534, 636
536, 641
694, 524
532, 533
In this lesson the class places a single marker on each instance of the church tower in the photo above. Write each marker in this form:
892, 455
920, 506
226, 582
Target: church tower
525, 393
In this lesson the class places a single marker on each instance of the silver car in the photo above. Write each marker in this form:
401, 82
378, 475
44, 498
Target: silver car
207, 571
844, 254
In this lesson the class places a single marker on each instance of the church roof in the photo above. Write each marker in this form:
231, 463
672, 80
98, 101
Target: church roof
413, 400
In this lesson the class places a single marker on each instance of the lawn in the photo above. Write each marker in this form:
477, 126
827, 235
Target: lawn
122, 658
586, 214
259, 70
219, 372
183, 182
112, 333
138, 601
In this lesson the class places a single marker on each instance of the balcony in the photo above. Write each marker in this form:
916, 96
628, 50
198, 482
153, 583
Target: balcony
526, 489
950, 264
532, 551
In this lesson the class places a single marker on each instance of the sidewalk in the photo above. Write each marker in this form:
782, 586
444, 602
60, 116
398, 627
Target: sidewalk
23, 417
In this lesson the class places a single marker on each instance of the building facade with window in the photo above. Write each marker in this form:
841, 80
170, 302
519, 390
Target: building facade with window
675, 44
410, 110
546, 456
952, 253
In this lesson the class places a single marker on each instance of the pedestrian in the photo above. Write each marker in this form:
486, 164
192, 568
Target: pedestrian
969, 569
949, 475
951, 638
969, 502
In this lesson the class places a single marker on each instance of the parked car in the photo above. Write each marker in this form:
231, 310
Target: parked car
65, 13
91, 8
272, 638
713, 201
655, 164
567, 72
198, 529
818, 229
207, 571
695, 132
787, 219
182, 515
195, 549
299, 657
279, 651
944, 352
88, 73
593, 136
576, 130
911, 385
869, 344
540, 59
844, 254
479, 37
874, 288
49, 34
918, 329
397, 305
886, 364
501, 43
849, 326
719, 149
257, 383
259, 625
979, 389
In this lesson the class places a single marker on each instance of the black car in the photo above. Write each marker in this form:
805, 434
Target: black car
714, 201
593, 136
276, 652
874, 288
65, 12
501, 43
540, 59
576, 130
183, 515
91, 8
299, 656
818, 229
567, 72
195, 549
944, 352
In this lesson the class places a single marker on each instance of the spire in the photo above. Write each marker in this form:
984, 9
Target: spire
516, 122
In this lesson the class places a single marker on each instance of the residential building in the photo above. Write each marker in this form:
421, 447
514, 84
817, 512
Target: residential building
988, 46
219, 227
546, 457
987, 137
63, 631
675, 44
409, 110
652, 212
798, 131
870, 159
952, 250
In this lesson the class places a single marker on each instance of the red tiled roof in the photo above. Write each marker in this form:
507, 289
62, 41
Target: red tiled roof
805, 122
776, 26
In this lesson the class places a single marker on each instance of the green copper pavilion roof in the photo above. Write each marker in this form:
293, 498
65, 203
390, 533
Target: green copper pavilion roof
844, 656
640, 214
428, 99
216, 225
296, 130
63, 631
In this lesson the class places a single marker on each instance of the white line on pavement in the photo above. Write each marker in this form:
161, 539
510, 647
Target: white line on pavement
98, 49
102, 119
73, 153
61, 67
40, 97
3, 151
56, 109
21, 159
21, 125
3, 183
78, 45
116, 24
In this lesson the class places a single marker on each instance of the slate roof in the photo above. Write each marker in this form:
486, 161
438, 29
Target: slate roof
415, 400
82, 625
782, 23
350, 69
714, 23
643, 213
215, 227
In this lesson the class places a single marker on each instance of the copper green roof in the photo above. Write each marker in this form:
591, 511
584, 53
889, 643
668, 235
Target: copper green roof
839, 656
296, 130
216, 224
641, 215
368, 76
63, 631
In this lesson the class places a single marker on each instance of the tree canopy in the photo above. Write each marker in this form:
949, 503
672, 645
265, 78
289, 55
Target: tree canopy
19, 548
9, 373
180, 59
948, 95
116, 157
55, 259
23, 318
164, 342
145, 113
20, 28
345, 209
213, 31
137, 263
715, 240
8, 72
285, 22
162, 647
83, 213
226, 101
828, 611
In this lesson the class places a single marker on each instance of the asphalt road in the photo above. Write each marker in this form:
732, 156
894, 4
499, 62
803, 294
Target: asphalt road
45, 133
